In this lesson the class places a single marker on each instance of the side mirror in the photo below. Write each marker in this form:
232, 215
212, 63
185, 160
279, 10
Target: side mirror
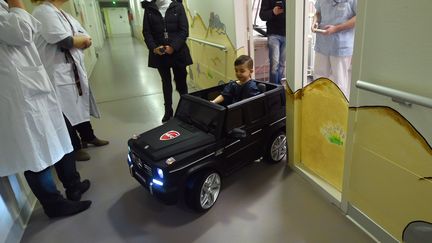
237, 133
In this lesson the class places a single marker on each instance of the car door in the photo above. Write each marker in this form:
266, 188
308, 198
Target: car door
235, 152
256, 122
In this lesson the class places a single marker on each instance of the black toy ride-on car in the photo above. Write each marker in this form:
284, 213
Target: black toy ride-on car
191, 153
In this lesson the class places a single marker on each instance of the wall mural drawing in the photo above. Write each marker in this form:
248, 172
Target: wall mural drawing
216, 61
212, 65
216, 24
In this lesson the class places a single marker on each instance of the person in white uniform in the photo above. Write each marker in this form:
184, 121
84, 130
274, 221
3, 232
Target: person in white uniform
32, 128
61, 43
333, 24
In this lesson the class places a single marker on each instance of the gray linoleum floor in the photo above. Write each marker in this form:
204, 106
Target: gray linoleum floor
261, 203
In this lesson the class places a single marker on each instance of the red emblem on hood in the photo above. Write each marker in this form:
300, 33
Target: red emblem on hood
169, 135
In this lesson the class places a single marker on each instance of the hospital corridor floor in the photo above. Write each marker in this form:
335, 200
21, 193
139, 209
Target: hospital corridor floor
260, 203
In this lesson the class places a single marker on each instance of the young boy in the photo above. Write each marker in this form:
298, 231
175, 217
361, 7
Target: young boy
242, 88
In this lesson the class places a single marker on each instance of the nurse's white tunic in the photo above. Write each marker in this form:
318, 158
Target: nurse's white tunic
56, 26
33, 134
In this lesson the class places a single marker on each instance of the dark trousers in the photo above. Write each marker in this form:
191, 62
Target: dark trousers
85, 131
180, 74
42, 183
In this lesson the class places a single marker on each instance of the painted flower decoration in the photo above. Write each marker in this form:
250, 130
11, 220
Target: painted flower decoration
334, 133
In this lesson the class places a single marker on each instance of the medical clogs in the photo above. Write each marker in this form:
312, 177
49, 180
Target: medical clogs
96, 142
81, 155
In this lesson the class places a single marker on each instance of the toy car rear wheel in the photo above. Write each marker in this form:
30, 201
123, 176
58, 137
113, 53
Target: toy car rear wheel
204, 191
277, 148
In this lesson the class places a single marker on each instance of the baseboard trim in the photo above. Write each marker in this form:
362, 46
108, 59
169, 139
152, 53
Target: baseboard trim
358, 218
325, 189
375, 231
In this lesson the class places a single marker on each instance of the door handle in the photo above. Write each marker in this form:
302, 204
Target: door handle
429, 178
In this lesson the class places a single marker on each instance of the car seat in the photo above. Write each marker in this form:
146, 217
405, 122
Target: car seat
262, 87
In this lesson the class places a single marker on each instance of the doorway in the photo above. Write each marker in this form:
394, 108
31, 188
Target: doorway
117, 21
324, 117
258, 42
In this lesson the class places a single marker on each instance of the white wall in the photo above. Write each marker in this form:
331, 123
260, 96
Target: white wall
137, 13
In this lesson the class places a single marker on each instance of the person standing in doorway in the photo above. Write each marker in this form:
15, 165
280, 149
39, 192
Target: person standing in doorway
61, 44
33, 132
165, 30
333, 24
273, 12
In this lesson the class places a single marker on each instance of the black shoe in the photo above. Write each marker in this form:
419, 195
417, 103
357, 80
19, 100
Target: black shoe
66, 208
168, 115
76, 191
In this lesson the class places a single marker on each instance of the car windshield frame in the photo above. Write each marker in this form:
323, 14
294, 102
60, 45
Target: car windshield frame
201, 113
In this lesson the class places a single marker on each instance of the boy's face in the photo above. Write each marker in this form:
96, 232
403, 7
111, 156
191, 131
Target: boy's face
243, 73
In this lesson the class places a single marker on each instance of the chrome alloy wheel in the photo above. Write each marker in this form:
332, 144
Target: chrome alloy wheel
210, 190
278, 148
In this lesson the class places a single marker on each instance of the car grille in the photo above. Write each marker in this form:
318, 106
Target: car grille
141, 165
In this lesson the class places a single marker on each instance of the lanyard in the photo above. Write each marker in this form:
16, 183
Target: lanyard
69, 59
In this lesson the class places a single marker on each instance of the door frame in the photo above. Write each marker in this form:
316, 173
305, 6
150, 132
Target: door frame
296, 75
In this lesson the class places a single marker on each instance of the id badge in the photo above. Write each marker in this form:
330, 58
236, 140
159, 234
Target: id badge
166, 35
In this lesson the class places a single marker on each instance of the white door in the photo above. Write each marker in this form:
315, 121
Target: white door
389, 154
118, 22
94, 25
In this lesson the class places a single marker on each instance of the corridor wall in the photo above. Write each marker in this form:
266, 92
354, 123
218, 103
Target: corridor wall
218, 34
384, 183
389, 164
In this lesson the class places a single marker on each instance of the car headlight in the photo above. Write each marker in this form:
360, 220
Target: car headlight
160, 172
129, 159
157, 182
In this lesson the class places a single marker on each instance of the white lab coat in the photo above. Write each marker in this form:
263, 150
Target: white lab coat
55, 28
33, 133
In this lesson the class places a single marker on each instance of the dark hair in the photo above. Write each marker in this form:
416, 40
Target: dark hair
244, 59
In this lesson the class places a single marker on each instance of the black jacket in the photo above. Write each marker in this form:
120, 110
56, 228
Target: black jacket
176, 25
275, 24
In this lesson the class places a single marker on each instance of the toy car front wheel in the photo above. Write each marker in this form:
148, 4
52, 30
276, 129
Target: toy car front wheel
277, 148
204, 191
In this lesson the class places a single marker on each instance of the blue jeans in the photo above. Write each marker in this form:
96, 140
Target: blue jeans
42, 183
276, 46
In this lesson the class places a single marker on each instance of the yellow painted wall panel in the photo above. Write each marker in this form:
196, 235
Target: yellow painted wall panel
387, 193
323, 128
385, 131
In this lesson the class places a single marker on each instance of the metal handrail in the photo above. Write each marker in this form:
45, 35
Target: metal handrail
397, 95
223, 48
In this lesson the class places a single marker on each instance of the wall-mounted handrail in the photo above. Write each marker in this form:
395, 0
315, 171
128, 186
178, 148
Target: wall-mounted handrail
397, 95
223, 48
